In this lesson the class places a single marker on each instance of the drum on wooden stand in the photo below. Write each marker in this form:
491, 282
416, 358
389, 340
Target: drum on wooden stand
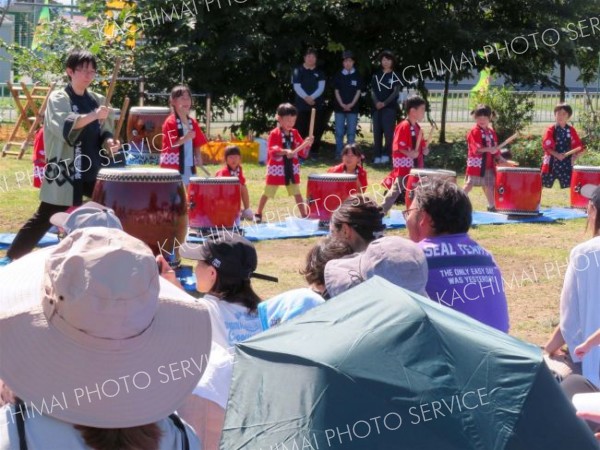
518, 191
144, 133
421, 176
151, 204
581, 176
327, 191
214, 202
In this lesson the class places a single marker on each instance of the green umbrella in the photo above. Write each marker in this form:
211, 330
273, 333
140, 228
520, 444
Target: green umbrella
379, 367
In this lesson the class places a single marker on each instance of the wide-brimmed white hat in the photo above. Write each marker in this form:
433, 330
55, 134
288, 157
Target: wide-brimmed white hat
100, 345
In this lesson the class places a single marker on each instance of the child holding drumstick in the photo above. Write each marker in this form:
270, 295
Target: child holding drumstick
352, 163
182, 136
559, 139
409, 150
483, 155
283, 167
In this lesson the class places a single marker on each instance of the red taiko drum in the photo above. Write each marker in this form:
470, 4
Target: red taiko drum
421, 176
326, 192
214, 202
581, 176
150, 203
144, 128
518, 190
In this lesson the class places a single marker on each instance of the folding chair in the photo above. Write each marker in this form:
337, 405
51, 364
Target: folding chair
25, 100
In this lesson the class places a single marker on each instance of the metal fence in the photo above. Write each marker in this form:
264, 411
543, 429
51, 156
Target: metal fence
458, 109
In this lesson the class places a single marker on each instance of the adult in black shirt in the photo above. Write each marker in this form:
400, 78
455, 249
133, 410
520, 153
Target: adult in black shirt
309, 86
348, 85
385, 88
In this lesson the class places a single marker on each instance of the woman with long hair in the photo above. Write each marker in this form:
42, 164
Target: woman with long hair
358, 221
225, 267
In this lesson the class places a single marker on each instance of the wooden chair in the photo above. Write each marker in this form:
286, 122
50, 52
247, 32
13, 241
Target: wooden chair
25, 100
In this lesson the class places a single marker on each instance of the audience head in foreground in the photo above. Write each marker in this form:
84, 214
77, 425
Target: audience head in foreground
358, 221
394, 258
100, 322
462, 274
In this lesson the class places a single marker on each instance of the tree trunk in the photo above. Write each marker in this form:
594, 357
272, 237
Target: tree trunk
444, 108
563, 88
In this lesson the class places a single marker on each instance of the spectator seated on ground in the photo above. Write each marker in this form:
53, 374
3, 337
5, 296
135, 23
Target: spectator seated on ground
394, 258
462, 274
579, 305
223, 273
290, 304
358, 221
97, 318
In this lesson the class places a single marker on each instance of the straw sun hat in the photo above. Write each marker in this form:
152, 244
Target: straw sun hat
98, 343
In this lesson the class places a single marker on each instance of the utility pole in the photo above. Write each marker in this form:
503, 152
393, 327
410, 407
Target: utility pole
4, 11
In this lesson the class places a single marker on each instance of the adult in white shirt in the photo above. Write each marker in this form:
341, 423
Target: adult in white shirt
579, 301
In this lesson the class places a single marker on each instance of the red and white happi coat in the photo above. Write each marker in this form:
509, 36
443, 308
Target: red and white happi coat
276, 164
405, 139
479, 163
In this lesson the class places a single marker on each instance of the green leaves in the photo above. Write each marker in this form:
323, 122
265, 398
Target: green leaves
248, 48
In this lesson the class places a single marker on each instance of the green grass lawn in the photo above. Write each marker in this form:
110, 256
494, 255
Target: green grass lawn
531, 256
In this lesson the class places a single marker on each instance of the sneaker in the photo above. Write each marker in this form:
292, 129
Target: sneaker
491, 209
385, 159
5, 261
377, 160
257, 218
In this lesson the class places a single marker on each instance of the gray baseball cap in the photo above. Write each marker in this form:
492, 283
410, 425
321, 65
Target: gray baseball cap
90, 214
591, 191
394, 258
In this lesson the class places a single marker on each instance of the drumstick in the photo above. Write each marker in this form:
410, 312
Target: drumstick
419, 139
508, 140
571, 152
111, 86
206, 172
113, 81
122, 117
311, 128
430, 135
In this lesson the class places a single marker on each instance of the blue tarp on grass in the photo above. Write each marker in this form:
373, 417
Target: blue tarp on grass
279, 230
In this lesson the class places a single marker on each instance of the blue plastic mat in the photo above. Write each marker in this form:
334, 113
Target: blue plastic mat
547, 216
564, 213
7, 238
187, 278
487, 218
394, 223
266, 231
279, 230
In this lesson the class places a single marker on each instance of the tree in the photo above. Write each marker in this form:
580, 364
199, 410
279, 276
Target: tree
56, 39
247, 48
